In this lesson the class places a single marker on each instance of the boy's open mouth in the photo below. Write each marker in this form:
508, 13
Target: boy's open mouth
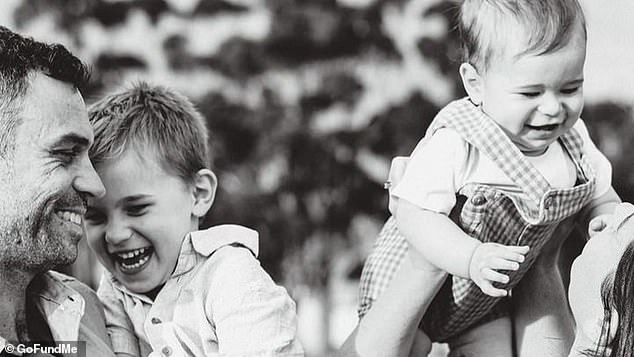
132, 261
549, 127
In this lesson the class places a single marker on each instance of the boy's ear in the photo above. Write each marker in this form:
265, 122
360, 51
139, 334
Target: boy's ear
205, 186
472, 82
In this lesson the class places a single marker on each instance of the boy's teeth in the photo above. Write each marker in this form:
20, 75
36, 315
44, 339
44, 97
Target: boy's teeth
137, 264
132, 253
69, 216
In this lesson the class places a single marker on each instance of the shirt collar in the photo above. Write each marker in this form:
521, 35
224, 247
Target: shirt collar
203, 243
61, 305
199, 245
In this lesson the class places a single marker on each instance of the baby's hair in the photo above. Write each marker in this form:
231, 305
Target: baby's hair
486, 26
617, 295
154, 118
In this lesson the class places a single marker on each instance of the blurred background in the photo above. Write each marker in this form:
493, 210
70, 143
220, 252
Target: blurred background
307, 101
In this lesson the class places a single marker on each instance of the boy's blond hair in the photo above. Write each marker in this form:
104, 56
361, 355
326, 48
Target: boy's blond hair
486, 27
153, 118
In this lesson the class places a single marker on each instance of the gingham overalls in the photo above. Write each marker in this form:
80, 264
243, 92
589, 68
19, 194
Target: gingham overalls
488, 214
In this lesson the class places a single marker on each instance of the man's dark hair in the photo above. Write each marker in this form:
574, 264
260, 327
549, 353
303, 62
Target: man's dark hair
20, 58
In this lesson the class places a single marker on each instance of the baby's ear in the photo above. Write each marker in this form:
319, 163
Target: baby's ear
205, 186
472, 82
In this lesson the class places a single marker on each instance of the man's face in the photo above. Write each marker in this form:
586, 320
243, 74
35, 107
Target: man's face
46, 178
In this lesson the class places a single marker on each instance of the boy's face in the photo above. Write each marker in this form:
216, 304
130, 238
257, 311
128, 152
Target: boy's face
137, 228
534, 98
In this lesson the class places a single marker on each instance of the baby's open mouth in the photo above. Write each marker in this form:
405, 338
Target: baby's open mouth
549, 127
133, 259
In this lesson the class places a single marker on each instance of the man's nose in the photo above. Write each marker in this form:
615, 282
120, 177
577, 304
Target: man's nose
87, 182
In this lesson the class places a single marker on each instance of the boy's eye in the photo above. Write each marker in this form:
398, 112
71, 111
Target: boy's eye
94, 217
137, 210
530, 94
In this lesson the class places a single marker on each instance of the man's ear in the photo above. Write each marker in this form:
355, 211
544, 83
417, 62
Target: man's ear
205, 186
472, 82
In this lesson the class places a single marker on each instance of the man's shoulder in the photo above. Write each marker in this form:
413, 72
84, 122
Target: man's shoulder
73, 283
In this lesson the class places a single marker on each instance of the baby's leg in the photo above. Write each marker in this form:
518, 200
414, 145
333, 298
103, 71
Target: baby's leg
493, 338
388, 256
421, 346
542, 319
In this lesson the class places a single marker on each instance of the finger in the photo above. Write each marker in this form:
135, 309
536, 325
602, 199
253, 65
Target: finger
510, 254
490, 290
492, 275
521, 249
504, 264
597, 225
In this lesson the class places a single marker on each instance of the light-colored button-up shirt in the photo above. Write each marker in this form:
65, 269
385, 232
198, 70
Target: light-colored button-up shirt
218, 302
72, 311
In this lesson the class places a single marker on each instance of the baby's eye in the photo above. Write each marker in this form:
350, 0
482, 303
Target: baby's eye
570, 90
94, 217
137, 210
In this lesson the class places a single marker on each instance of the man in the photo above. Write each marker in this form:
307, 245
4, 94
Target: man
45, 179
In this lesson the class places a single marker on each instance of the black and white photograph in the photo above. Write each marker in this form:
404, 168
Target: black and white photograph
320, 178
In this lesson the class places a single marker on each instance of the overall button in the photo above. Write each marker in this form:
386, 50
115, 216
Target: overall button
548, 202
156, 320
167, 351
478, 200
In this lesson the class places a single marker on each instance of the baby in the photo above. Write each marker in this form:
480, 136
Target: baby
496, 174
171, 289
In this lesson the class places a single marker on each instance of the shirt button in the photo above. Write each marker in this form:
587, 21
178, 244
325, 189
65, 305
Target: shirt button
478, 200
167, 351
548, 202
156, 320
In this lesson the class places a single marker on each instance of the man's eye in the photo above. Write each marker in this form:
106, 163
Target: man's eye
137, 210
530, 94
66, 156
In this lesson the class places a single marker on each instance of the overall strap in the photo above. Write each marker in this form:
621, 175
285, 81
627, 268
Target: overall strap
572, 142
483, 133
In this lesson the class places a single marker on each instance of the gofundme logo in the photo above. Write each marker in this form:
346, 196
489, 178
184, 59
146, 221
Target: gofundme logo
70, 348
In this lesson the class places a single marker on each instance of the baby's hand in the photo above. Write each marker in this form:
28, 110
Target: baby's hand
597, 224
487, 259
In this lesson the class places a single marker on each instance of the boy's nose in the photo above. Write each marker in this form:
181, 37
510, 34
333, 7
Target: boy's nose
116, 234
550, 105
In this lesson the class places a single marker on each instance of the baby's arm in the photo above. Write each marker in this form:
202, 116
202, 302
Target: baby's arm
599, 209
447, 247
594, 215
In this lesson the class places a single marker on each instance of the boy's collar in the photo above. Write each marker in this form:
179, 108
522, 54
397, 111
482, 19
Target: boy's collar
206, 242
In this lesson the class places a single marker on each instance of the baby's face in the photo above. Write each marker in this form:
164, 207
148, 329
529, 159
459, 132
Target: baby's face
137, 228
535, 98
